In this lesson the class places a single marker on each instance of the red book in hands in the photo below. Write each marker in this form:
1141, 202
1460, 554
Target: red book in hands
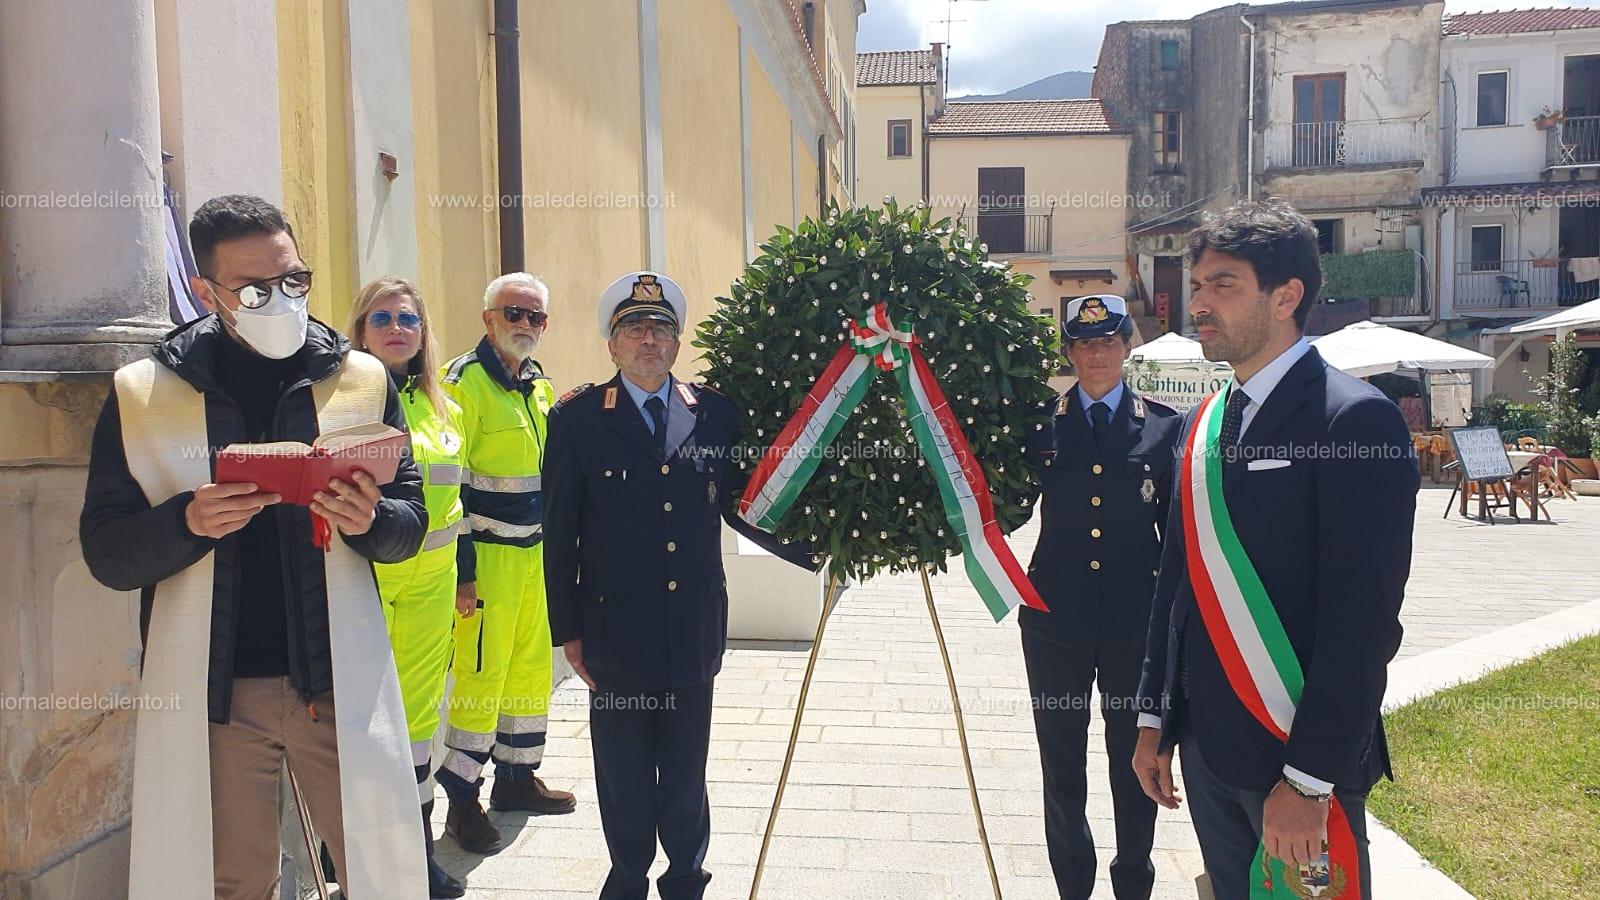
296, 471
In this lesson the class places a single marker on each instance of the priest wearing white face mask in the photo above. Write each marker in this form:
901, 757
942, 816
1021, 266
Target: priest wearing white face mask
275, 649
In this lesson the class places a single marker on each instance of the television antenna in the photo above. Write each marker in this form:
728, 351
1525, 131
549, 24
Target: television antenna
949, 20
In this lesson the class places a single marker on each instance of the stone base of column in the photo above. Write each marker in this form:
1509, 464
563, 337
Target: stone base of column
98, 870
85, 357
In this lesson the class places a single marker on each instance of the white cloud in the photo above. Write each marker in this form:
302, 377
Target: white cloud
1003, 44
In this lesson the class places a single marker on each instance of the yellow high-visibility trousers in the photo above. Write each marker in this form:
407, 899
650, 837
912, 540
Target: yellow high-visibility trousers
502, 667
419, 602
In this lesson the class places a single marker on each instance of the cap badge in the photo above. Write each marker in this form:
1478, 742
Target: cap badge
647, 290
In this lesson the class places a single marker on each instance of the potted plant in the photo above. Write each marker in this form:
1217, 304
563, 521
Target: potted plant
1589, 467
1548, 118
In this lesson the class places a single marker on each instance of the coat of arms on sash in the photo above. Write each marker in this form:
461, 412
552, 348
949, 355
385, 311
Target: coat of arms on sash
1320, 879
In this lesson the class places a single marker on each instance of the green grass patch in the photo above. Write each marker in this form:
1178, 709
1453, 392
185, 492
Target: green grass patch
1499, 780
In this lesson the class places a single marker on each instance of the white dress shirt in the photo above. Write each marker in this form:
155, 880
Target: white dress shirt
1262, 383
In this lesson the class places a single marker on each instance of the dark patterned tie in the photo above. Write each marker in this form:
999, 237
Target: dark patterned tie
1100, 422
1232, 424
658, 416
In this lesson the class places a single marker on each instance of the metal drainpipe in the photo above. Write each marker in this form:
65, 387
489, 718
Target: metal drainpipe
508, 129
922, 126
1250, 122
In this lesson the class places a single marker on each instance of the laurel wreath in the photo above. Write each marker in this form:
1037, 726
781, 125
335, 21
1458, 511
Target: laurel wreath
872, 506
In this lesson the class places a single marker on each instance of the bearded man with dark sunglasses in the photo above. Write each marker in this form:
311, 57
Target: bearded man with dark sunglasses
503, 653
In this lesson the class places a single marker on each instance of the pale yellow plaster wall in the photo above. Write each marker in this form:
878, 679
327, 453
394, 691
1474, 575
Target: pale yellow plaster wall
877, 174
314, 112
702, 147
453, 139
583, 169
771, 174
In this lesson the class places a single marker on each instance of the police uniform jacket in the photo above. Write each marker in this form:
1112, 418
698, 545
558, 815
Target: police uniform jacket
633, 558
1103, 510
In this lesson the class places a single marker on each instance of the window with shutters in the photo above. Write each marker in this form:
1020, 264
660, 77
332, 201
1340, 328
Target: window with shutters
1167, 138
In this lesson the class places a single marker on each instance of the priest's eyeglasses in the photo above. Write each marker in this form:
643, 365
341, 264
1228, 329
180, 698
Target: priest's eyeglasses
257, 294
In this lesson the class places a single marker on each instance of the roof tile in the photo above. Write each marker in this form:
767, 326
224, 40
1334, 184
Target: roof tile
1521, 21
1024, 117
895, 67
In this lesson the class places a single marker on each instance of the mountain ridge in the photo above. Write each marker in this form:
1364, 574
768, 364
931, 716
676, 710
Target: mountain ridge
1060, 86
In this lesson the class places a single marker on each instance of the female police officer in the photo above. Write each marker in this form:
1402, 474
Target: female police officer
1105, 466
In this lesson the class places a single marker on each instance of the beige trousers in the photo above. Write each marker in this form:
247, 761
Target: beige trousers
270, 726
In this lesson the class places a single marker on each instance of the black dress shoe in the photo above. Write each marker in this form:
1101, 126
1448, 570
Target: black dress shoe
531, 796
472, 830
442, 884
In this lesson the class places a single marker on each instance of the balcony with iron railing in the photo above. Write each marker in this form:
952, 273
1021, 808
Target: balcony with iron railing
1523, 284
1011, 232
1574, 141
1370, 142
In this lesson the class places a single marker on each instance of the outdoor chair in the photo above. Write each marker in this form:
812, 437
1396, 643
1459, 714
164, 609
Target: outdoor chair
1510, 288
1494, 490
1442, 453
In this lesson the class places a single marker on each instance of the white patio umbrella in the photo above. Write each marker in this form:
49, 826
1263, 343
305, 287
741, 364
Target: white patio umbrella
1170, 347
1584, 315
1367, 348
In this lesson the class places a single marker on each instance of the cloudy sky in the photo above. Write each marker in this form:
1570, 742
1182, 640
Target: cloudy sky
1003, 44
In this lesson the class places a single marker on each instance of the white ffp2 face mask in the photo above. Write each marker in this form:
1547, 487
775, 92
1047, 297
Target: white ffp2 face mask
276, 330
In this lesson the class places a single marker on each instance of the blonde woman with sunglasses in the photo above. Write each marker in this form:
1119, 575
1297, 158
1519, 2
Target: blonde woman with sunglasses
390, 321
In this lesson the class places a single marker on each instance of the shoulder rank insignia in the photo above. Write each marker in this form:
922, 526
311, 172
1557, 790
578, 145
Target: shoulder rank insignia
574, 392
610, 401
686, 394
1147, 491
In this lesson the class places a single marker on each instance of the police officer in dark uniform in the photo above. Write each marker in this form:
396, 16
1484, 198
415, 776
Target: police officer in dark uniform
1105, 465
638, 478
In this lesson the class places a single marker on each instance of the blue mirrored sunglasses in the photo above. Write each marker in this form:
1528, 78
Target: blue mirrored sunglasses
382, 319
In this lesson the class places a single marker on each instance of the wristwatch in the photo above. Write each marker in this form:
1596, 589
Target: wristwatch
1305, 790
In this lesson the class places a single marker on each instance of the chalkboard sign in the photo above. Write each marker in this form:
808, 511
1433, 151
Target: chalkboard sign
1481, 452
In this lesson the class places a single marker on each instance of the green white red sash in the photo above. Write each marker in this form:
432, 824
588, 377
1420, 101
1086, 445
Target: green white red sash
1250, 641
876, 344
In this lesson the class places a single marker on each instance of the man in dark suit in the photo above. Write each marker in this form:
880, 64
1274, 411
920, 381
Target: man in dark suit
639, 474
1277, 608
1105, 470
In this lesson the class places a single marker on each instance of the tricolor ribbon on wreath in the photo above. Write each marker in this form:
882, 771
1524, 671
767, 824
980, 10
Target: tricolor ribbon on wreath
875, 343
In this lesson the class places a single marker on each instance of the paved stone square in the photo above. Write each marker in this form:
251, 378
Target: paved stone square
877, 803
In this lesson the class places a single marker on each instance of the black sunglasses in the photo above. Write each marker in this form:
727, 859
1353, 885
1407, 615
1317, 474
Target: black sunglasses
514, 314
256, 294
